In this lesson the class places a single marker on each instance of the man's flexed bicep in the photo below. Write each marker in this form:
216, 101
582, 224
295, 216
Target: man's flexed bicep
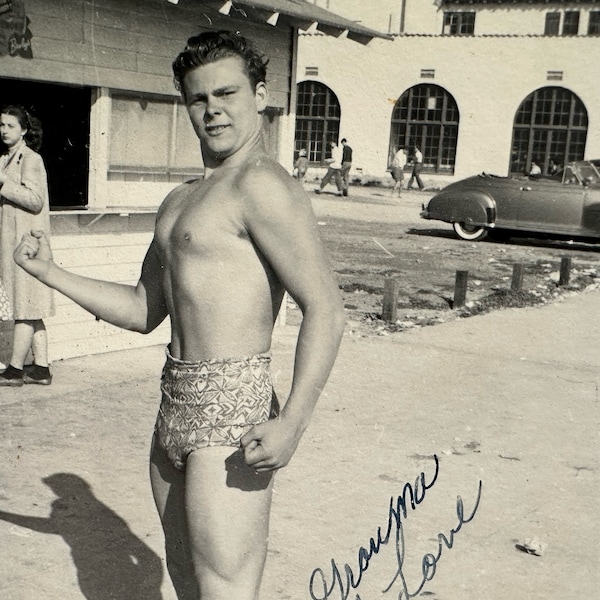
137, 308
280, 221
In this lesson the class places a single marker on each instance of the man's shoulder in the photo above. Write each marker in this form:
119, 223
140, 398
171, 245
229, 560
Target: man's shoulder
177, 192
265, 186
261, 173
181, 189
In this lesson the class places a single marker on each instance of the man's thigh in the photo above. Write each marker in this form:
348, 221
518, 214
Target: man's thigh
168, 487
228, 506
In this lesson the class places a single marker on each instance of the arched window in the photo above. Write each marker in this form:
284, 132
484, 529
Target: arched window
317, 120
427, 116
550, 124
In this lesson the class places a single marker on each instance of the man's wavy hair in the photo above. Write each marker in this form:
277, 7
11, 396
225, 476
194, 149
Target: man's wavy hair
33, 137
211, 46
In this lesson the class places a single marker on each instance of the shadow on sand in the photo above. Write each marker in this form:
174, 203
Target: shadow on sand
111, 561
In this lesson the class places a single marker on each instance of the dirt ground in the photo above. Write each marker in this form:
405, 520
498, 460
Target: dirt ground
372, 236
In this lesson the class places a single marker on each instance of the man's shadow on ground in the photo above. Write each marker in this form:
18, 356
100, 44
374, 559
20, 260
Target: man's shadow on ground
111, 561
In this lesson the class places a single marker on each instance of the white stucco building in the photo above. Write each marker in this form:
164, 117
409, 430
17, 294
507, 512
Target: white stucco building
479, 85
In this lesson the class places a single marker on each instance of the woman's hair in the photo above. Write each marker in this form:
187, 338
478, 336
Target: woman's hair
211, 46
33, 137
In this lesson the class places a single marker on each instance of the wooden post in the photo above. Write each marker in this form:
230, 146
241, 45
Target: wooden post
391, 290
565, 271
517, 278
460, 289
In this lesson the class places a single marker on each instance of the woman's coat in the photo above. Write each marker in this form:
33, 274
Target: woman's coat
24, 206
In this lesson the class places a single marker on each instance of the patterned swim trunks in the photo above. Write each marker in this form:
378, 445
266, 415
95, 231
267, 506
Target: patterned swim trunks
212, 403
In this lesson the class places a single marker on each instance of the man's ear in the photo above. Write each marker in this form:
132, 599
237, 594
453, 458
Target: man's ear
261, 96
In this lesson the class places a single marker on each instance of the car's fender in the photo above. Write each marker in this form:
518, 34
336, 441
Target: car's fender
471, 208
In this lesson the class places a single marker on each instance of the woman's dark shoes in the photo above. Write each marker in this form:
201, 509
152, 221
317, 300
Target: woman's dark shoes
11, 377
37, 375
42, 381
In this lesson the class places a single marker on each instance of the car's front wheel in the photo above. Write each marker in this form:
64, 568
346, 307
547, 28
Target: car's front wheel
472, 233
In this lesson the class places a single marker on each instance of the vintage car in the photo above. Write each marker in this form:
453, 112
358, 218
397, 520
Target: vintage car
566, 204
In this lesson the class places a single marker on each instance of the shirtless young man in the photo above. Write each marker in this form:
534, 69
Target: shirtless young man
245, 232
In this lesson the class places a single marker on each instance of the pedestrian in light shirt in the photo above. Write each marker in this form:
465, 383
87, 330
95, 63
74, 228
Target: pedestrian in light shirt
334, 169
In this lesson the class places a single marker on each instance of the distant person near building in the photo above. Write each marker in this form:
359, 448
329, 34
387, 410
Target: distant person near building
535, 170
416, 169
334, 169
398, 165
346, 166
301, 165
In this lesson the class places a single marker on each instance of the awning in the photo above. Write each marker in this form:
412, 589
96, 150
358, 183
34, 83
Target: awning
296, 13
505, 2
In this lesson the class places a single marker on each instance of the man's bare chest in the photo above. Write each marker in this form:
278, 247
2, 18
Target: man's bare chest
203, 221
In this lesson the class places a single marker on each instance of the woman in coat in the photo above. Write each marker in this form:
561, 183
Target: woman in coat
23, 206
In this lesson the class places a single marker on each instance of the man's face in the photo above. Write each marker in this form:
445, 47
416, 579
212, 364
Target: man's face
223, 106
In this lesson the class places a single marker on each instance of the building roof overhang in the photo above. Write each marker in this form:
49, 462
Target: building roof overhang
506, 2
295, 13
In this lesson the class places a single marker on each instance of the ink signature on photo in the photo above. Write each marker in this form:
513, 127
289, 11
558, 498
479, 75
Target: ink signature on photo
344, 580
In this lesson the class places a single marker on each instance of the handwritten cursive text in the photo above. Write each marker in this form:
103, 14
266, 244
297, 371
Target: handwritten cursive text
348, 578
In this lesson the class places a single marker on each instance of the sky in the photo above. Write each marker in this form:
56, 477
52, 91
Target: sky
371, 13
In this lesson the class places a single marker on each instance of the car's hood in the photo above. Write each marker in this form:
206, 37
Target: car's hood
473, 181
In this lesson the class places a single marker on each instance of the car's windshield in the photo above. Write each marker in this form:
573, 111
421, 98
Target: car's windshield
570, 176
581, 173
588, 173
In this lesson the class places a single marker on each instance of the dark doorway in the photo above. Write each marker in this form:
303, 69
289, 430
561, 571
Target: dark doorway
65, 115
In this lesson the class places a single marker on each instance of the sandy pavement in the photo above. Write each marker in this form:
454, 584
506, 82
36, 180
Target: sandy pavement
508, 403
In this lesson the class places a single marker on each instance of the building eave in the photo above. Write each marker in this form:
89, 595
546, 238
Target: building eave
512, 2
295, 13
